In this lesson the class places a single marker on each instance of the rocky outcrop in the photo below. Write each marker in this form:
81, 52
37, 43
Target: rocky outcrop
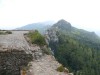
51, 35
62, 24
19, 57
12, 62
47, 65
15, 53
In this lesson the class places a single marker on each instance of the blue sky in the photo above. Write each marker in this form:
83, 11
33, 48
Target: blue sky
84, 14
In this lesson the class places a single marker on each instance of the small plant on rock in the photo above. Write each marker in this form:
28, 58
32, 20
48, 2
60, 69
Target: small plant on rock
61, 68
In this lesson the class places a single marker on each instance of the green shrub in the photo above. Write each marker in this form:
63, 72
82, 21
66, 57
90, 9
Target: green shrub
5, 32
1, 32
47, 51
8, 32
61, 69
37, 38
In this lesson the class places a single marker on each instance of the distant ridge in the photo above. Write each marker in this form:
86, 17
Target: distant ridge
40, 26
65, 26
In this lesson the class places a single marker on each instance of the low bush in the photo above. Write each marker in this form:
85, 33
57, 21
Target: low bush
47, 51
61, 69
5, 32
37, 38
8, 32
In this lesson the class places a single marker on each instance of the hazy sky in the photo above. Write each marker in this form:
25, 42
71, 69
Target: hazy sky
80, 13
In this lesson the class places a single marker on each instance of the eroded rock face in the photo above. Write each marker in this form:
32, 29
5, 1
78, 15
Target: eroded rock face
11, 62
51, 35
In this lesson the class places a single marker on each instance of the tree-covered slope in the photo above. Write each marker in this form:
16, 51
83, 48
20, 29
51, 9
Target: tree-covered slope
77, 49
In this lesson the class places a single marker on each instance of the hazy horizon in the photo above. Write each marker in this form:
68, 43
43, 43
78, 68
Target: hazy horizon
83, 14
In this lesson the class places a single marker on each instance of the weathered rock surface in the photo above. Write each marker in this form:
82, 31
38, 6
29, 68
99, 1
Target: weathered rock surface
47, 65
16, 54
12, 62
15, 40
51, 35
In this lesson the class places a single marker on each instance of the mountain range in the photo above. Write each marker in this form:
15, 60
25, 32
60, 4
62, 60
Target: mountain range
76, 49
40, 26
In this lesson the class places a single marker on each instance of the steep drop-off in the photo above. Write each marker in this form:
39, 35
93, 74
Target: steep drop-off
77, 49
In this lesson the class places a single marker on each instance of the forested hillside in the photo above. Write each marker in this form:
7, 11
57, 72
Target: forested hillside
77, 49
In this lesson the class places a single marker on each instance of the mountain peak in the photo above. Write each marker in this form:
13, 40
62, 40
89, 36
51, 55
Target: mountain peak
62, 20
63, 24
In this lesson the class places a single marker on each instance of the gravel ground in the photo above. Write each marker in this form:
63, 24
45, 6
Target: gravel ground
15, 40
47, 65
